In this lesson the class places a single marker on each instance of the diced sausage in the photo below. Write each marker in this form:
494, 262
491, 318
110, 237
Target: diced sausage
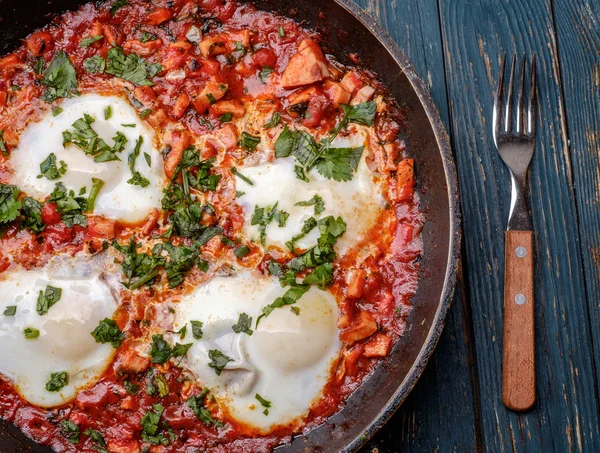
132, 362
307, 66
235, 107
212, 45
363, 326
144, 49
211, 92
39, 43
178, 141
337, 93
363, 95
406, 179
158, 16
378, 346
356, 280
352, 82
181, 104
113, 35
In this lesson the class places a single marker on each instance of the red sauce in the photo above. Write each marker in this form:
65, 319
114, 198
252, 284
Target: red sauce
386, 280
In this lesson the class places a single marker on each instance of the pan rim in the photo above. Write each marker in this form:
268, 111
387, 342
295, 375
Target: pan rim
454, 229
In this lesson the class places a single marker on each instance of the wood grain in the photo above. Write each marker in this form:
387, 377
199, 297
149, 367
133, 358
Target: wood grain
426, 422
565, 418
518, 364
578, 33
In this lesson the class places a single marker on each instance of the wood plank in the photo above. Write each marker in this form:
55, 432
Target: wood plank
565, 417
427, 420
578, 32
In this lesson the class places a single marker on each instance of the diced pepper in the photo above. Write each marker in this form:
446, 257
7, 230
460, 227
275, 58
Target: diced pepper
181, 104
209, 94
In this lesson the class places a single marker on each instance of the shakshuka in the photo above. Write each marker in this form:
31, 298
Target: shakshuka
209, 231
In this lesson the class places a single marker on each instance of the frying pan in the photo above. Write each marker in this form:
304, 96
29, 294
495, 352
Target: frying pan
345, 30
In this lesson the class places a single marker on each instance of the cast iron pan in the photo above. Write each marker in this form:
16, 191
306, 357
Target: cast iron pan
345, 29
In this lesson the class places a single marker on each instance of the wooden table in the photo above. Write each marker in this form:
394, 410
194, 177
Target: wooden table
456, 46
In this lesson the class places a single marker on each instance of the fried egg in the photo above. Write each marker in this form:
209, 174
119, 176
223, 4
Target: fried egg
65, 343
357, 201
286, 360
117, 199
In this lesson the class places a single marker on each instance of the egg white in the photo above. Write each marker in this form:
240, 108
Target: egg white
286, 360
117, 199
65, 342
357, 201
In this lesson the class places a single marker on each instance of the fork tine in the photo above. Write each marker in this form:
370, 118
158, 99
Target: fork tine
509, 102
498, 101
521, 119
532, 109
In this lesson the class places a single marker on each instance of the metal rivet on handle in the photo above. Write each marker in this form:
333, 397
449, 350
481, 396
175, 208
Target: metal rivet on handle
520, 299
521, 251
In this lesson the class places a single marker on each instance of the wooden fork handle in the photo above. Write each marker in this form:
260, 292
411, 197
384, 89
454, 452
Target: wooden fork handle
518, 365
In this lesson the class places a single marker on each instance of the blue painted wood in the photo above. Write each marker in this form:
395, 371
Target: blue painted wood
578, 33
475, 34
427, 420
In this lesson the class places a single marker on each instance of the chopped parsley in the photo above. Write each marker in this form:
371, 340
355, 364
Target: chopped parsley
108, 112
291, 296
161, 384
144, 113
333, 163
241, 251
10, 310
94, 65
49, 169
136, 179
243, 325
274, 121
322, 276
264, 74
150, 422
131, 388
97, 439
196, 329
248, 142
10, 205
196, 403
70, 430
60, 78
139, 268
57, 381
70, 207
218, 360
309, 225
242, 177
145, 37
86, 42
31, 333
280, 31
97, 185
225, 117
47, 299
315, 201
182, 259
56, 110
108, 332
263, 216
264, 403
160, 350
116, 6
3, 149
130, 67
85, 138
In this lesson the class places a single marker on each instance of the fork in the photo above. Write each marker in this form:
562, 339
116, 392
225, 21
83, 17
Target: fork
516, 150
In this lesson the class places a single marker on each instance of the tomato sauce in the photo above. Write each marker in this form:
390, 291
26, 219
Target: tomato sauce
373, 293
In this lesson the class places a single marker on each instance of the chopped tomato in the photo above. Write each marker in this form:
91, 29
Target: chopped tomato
264, 57
50, 215
10, 62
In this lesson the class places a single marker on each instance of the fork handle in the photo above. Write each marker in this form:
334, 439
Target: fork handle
518, 365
